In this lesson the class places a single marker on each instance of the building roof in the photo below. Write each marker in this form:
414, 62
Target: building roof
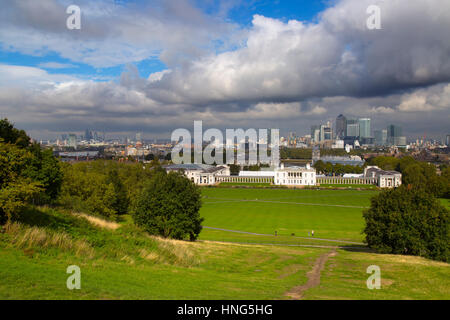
194, 167
371, 171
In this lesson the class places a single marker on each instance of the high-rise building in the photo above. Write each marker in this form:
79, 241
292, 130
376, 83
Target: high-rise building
364, 128
381, 137
394, 133
352, 128
88, 135
447, 140
326, 132
72, 141
341, 127
315, 133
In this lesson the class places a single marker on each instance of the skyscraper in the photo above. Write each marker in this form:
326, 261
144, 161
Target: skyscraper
326, 132
341, 127
381, 137
315, 133
395, 136
352, 128
73, 140
87, 135
364, 128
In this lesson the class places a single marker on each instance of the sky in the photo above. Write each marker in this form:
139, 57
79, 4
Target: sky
158, 65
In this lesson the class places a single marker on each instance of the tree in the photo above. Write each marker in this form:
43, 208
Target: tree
168, 206
319, 166
234, 169
412, 175
120, 202
410, 221
16, 189
44, 167
9, 134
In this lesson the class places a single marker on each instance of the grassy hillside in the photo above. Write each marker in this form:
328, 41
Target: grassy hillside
128, 264
118, 261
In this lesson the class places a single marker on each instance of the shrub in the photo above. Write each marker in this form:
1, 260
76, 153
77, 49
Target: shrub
168, 206
409, 221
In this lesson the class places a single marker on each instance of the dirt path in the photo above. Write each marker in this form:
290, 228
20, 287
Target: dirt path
313, 276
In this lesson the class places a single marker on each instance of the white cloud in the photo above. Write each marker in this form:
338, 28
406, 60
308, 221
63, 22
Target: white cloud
56, 65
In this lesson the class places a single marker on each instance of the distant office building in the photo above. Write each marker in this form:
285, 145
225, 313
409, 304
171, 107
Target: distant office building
88, 135
364, 128
138, 137
72, 141
352, 128
341, 127
326, 132
381, 137
400, 141
447, 140
395, 136
315, 133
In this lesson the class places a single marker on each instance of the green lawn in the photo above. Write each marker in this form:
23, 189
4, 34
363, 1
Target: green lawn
332, 214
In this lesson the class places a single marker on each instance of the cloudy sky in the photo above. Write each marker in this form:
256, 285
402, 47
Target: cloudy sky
155, 66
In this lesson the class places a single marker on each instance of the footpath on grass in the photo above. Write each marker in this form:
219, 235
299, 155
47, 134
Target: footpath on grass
295, 237
313, 276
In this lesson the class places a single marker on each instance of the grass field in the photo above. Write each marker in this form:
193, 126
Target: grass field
119, 261
332, 214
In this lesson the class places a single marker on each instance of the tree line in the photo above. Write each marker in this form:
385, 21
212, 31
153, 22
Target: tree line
164, 204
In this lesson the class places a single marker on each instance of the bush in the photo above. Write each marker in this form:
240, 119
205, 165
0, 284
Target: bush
409, 221
168, 206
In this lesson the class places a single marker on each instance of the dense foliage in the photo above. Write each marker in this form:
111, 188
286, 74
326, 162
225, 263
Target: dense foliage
104, 188
417, 174
409, 221
336, 169
16, 188
168, 206
27, 173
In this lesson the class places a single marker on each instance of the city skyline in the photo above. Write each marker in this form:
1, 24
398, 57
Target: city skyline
155, 66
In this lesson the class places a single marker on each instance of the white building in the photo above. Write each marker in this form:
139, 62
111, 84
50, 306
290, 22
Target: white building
204, 175
295, 176
385, 179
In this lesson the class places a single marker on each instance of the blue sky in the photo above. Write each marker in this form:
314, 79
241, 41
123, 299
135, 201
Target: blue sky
240, 12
